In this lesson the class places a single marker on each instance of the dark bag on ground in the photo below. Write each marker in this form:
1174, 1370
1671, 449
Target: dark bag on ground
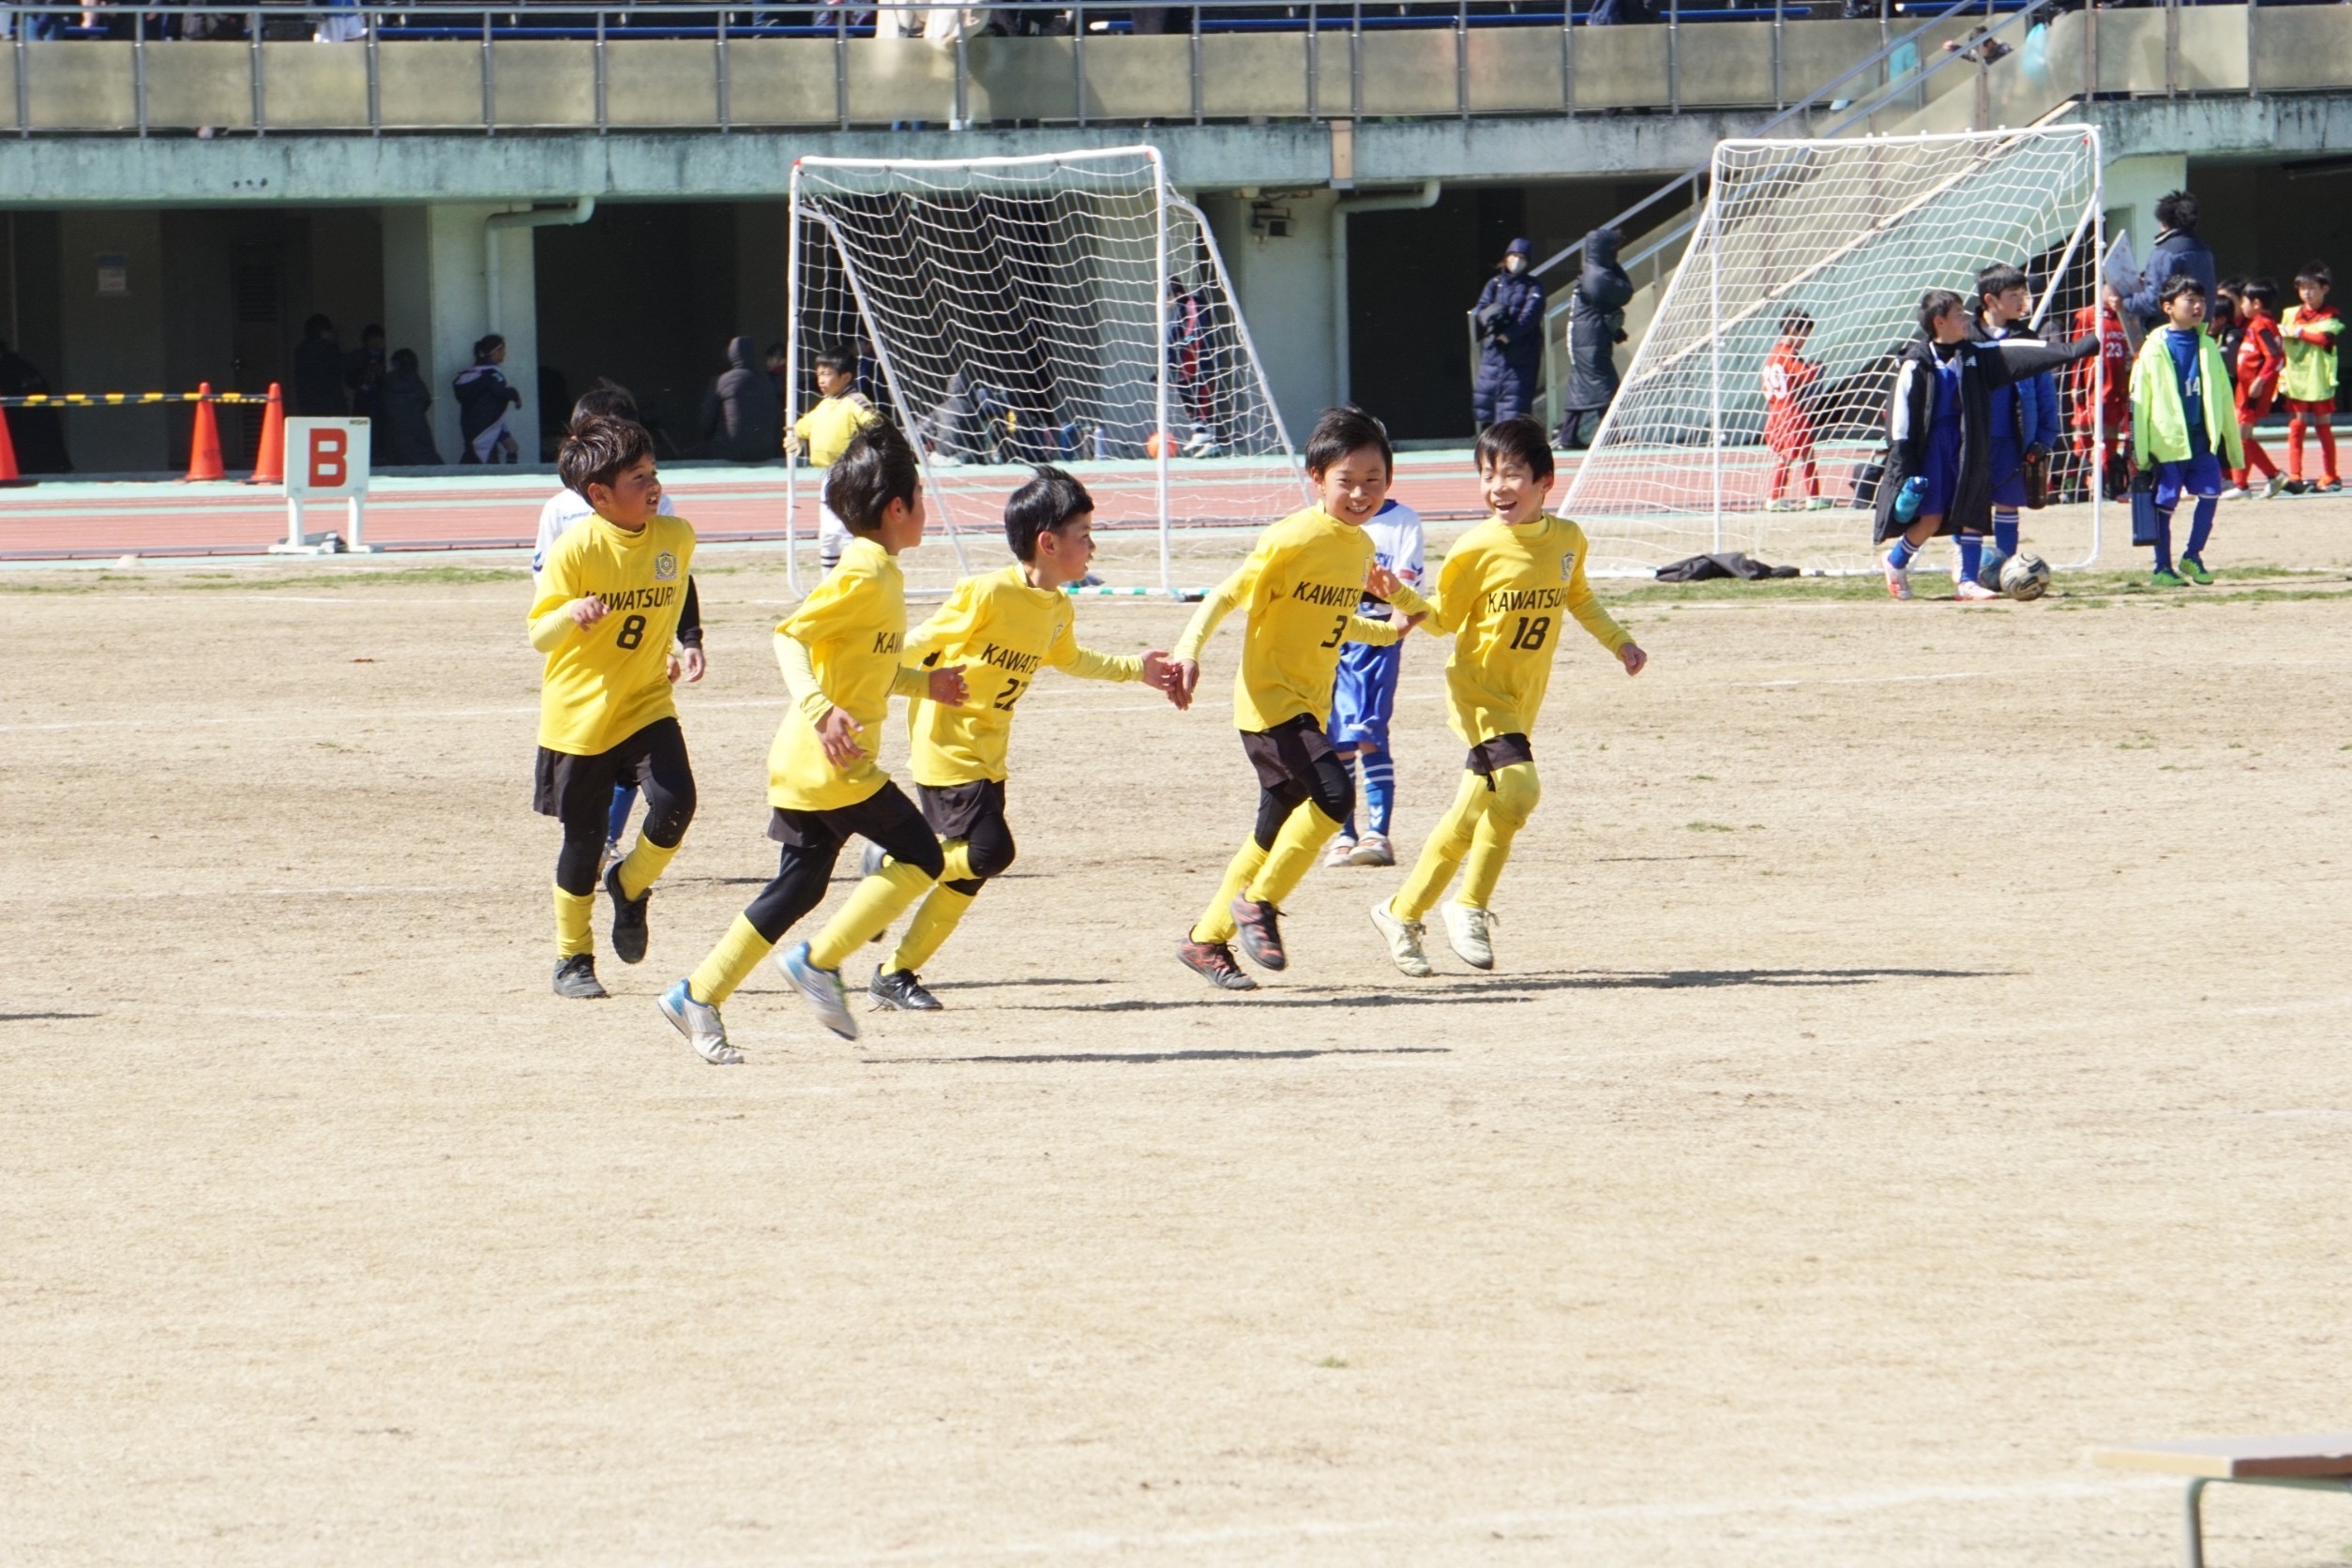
2035, 472
1707, 569
1865, 478
2144, 509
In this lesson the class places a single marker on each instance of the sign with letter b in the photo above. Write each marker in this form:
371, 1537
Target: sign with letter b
326, 458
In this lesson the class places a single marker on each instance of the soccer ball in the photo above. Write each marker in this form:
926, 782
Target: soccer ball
2024, 577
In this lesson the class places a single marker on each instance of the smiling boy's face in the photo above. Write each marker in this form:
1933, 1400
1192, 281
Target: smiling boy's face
1352, 489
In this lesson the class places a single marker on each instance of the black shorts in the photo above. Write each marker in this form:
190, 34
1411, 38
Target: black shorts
1488, 758
954, 810
1286, 753
886, 816
565, 783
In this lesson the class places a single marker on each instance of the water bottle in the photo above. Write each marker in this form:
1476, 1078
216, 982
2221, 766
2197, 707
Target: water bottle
1907, 500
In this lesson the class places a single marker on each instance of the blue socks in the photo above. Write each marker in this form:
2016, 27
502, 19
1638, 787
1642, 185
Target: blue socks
2201, 526
1900, 557
2164, 537
624, 802
1379, 788
1971, 556
2005, 530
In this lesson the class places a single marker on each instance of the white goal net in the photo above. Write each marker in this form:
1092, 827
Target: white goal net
1067, 309
1777, 339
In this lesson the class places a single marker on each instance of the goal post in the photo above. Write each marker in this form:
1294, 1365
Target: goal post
1065, 307
1778, 337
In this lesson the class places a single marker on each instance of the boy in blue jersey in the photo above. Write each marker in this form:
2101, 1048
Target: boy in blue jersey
2023, 427
1364, 696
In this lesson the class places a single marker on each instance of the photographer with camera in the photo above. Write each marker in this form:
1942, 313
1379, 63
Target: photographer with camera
1510, 321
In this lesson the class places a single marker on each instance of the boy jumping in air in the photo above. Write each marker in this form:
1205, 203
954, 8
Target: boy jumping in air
2308, 386
1000, 628
1299, 588
610, 596
840, 654
2180, 425
1504, 592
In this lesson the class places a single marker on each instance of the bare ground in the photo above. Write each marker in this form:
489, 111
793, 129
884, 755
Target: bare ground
1918, 1054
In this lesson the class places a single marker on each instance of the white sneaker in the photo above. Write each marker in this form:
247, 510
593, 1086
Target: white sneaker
1343, 850
1820, 503
1779, 503
612, 851
1404, 940
822, 987
1465, 928
700, 1023
1970, 591
1374, 849
1898, 583
2236, 493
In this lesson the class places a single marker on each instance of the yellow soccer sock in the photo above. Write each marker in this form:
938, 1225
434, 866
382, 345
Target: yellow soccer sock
1305, 832
1448, 842
932, 925
877, 901
1517, 792
1217, 924
644, 865
730, 963
574, 914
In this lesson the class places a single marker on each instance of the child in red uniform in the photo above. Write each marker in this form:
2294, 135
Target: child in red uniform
2260, 358
2309, 333
1787, 429
2114, 399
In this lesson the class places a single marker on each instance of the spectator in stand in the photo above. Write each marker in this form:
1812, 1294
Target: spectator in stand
318, 373
1597, 324
407, 402
2177, 252
743, 419
363, 372
38, 434
484, 398
1510, 318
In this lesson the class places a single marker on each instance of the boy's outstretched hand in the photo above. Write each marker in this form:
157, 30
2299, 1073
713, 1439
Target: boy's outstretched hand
947, 686
1187, 680
1380, 582
1160, 674
839, 732
1633, 659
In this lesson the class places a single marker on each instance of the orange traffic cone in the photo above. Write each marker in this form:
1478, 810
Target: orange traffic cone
8, 474
269, 463
203, 442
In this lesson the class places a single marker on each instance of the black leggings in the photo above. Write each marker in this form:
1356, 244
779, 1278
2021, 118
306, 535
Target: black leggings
989, 848
812, 842
1331, 785
655, 759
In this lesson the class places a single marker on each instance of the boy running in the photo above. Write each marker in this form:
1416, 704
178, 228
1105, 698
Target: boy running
1299, 589
1364, 694
2179, 425
610, 597
824, 433
1000, 628
2308, 387
1504, 592
840, 654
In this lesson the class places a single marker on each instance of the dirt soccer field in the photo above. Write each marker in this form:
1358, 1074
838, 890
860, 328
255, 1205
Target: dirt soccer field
1918, 1054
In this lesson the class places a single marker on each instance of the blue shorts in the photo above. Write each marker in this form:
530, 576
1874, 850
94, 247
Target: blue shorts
2008, 472
1364, 696
2198, 476
1942, 471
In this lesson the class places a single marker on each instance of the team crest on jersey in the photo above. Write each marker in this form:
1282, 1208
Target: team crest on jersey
1567, 565
665, 566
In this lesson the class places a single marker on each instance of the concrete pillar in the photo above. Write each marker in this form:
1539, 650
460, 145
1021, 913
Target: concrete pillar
111, 332
437, 300
2131, 187
1283, 285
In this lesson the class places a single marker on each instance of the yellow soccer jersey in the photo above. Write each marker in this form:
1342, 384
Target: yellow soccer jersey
1506, 593
826, 429
1001, 631
1299, 588
853, 624
604, 683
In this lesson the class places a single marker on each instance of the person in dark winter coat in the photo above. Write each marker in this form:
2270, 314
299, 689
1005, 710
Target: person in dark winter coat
404, 402
1510, 317
484, 396
2177, 251
1939, 425
1597, 324
742, 420
318, 374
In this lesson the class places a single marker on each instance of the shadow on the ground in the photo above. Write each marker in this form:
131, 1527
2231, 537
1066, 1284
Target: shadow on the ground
1146, 1057
42, 1018
1455, 991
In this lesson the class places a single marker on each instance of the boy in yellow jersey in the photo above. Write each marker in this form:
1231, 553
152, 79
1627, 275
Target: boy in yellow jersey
1002, 628
1299, 588
824, 433
1504, 592
609, 594
841, 652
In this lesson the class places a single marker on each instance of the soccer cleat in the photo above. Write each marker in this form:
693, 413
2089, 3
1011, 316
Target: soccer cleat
1404, 940
698, 1021
822, 987
2193, 570
2164, 577
1374, 849
629, 929
1820, 503
2271, 491
576, 977
900, 991
2294, 487
1898, 582
1466, 930
1214, 962
1258, 928
2330, 485
1971, 591
2236, 493
1778, 504
1343, 849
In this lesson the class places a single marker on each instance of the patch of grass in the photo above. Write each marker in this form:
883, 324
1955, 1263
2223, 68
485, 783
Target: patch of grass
1335, 1364
1709, 827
